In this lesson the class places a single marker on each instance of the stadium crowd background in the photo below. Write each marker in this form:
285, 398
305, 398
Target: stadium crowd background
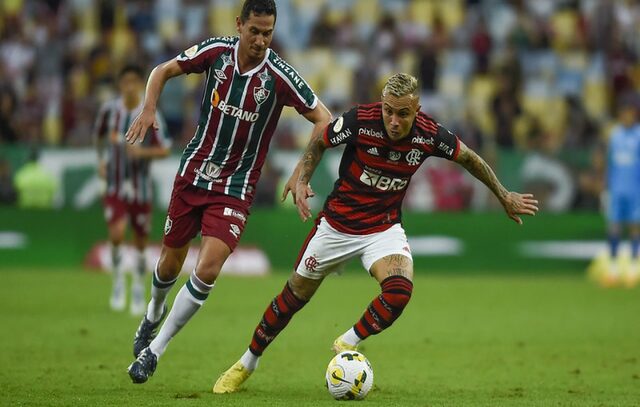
533, 85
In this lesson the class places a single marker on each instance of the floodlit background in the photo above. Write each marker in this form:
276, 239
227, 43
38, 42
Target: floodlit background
531, 85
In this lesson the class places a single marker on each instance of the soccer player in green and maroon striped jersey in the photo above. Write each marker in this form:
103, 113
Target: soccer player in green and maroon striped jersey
125, 170
247, 85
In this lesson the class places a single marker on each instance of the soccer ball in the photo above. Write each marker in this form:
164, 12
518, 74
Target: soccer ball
349, 376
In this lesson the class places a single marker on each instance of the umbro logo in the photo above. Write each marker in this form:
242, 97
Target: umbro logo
373, 151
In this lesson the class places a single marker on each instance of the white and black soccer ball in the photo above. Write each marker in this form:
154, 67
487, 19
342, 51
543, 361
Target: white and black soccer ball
349, 376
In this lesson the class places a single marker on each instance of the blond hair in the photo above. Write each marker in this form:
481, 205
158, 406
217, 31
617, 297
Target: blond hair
400, 84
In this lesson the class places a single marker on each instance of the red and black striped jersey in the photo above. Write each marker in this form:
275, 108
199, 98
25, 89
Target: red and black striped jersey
238, 115
127, 178
375, 170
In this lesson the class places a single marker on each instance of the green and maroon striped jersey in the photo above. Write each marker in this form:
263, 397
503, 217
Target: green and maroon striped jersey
127, 178
238, 115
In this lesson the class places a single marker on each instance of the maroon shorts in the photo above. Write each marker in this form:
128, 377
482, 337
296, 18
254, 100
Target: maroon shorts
193, 209
139, 214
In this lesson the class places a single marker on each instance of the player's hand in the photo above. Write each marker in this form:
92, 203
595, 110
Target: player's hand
134, 151
102, 169
519, 204
141, 125
303, 192
290, 186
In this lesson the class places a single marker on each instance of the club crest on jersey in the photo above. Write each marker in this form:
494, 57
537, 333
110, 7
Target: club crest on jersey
414, 156
394, 155
260, 95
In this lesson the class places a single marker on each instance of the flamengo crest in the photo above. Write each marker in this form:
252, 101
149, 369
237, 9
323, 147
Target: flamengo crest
261, 94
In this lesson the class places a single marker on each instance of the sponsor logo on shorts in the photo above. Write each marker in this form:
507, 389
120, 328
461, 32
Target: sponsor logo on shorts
234, 230
235, 214
167, 225
311, 263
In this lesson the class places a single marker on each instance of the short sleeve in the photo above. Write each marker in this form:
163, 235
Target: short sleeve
342, 130
201, 56
446, 144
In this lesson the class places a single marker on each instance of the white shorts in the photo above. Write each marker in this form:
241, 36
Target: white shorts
326, 249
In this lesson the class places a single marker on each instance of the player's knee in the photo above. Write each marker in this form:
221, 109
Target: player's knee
303, 288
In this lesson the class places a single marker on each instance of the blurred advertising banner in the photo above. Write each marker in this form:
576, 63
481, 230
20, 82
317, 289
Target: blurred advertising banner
439, 185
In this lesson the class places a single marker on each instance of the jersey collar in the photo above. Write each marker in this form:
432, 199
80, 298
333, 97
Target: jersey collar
254, 70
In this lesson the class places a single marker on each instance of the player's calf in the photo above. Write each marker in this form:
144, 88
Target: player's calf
383, 310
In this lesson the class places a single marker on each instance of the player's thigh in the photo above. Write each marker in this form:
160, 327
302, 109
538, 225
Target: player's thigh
117, 230
388, 254
325, 250
213, 253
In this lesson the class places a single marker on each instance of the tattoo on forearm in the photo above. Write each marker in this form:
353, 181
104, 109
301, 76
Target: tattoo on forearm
311, 158
481, 170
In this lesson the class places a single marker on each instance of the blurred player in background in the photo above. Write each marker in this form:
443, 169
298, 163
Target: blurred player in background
125, 169
386, 142
623, 193
247, 85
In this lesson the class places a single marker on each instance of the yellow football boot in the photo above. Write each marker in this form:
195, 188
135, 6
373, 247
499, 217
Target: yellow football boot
341, 346
231, 380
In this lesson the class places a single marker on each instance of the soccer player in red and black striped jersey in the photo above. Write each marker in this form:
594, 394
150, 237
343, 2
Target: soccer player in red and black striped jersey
247, 85
385, 143
128, 193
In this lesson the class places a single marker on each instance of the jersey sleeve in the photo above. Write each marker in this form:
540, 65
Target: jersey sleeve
298, 94
201, 56
342, 130
447, 144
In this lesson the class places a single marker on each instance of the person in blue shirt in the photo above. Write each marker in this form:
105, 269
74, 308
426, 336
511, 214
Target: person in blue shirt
623, 187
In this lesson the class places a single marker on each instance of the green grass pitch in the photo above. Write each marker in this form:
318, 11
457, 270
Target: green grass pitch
464, 340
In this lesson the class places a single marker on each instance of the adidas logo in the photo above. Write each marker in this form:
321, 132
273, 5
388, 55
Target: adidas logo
373, 151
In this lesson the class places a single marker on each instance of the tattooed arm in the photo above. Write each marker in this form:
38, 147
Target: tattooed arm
307, 165
514, 203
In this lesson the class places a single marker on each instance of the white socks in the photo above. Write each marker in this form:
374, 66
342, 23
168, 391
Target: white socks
159, 291
351, 338
188, 301
249, 360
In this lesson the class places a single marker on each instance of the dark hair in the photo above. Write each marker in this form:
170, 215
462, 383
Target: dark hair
267, 7
131, 68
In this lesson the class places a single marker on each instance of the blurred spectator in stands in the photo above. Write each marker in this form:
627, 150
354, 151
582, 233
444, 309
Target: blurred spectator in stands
345, 32
481, 45
36, 186
581, 130
323, 31
506, 109
620, 61
385, 44
7, 190
590, 182
8, 107
428, 67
